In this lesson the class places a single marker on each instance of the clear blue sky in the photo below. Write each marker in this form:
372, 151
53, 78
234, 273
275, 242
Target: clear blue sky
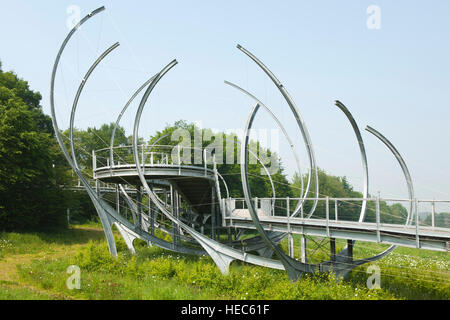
395, 79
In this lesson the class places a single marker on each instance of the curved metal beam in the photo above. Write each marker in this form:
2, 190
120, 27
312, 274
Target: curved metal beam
362, 150
153, 144
96, 201
221, 254
410, 191
402, 165
293, 267
77, 97
116, 125
52, 87
108, 216
268, 174
297, 161
224, 183
300, 123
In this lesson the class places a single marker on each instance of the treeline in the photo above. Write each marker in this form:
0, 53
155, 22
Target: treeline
338, 187
29, 160
34, 173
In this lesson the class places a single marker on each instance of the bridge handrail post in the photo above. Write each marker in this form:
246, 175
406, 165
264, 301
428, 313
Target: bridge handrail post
301, 211
416, 210
288, 214
179, 160
433, 212
377, 212
327, 213
335, 210
94, 160
204, 159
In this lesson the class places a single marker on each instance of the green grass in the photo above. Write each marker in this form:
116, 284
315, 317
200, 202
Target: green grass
154, 273
28, 243
11, 293
407, 273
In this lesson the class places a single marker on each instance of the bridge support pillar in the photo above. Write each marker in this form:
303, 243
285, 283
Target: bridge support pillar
291, 245
332, 249
230, 235
303, 257
350, 250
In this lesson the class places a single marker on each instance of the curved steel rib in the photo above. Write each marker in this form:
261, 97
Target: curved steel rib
101, 211
77, 96
297, 161
221, 254
107, 215
111, 154
225, 184
410, 190
52, 87
268, 174
402, 165
349, 116
293, 267
300, 123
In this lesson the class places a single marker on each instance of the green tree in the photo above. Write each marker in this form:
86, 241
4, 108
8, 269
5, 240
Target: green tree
338, 187
441, 220
258, 180
29, 193
93, 139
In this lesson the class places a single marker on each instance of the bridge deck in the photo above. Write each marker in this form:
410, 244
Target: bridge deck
423, 237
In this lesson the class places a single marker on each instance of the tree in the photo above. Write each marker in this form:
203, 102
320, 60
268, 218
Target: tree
29, 195
93, 139
338, 187
231, 172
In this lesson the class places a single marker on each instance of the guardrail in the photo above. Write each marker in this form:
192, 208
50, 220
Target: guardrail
167, 155
344, 209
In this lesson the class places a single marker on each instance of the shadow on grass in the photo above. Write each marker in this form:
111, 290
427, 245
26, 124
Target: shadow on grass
33, 242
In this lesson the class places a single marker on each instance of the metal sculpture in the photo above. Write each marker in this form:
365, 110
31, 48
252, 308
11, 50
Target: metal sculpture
188, 222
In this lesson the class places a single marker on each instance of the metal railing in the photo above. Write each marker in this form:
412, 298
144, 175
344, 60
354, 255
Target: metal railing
344, 209
167, 155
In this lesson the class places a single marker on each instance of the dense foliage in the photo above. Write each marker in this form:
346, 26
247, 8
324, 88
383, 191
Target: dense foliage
32, 168
29, 195
230, 167
339, 187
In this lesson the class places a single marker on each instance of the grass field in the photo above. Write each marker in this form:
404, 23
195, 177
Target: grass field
34, 265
